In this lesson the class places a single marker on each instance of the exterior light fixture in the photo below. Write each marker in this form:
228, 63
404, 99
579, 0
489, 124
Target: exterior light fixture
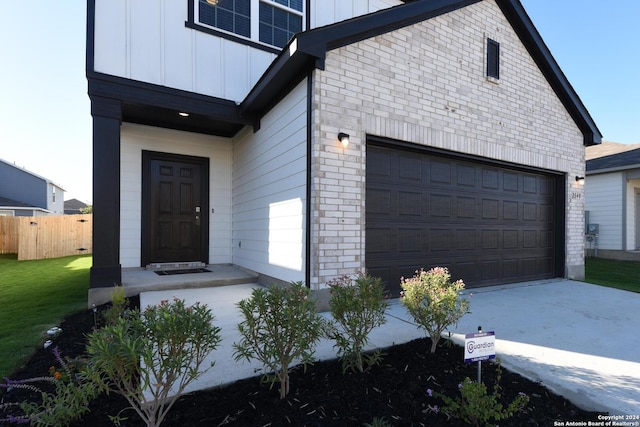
344, 139
580, 180
212, 2
183, 114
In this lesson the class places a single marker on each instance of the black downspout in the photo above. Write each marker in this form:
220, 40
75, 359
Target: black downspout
307, 255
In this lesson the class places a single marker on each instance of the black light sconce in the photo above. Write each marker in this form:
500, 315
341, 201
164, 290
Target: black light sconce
344, 139
580, 180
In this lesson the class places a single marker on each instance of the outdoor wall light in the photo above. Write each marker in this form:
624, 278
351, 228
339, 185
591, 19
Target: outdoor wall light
344, 139
580, 180
213, 2
183, 114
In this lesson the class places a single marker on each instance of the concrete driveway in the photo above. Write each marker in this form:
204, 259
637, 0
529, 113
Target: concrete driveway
581, 341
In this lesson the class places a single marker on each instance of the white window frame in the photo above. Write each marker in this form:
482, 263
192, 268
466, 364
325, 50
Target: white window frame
255, 20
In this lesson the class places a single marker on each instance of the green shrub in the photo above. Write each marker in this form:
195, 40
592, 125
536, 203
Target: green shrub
119, 305
280, 325
149, 358
73, 392
478, 408
433, 301
357, 307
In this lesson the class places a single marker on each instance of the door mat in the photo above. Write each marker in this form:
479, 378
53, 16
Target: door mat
184, 271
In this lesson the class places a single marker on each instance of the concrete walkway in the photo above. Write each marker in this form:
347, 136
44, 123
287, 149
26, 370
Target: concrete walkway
577, 339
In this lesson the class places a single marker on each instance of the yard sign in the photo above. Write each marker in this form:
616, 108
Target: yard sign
479, 346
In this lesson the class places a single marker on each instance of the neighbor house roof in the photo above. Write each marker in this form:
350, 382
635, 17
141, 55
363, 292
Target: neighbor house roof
6, 203
307, 50
615, 162
608, 148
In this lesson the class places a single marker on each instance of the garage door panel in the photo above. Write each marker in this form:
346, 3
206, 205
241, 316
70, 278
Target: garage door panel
488, 224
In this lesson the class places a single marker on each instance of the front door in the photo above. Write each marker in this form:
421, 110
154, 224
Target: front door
175, 207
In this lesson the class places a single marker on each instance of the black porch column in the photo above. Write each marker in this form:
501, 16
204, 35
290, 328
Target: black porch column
107, 117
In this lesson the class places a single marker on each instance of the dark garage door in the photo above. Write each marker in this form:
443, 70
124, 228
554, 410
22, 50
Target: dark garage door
488, 223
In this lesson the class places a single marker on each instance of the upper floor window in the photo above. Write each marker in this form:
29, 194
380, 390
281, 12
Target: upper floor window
271, 22
493, 59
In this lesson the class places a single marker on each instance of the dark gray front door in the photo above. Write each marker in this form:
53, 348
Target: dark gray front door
175, 192
487, 223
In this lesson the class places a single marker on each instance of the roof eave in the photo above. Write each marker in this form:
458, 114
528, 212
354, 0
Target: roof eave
308, 50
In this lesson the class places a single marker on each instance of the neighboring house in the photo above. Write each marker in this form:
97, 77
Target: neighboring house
216, 140
73, 207
23, 193
9, 207
612, 200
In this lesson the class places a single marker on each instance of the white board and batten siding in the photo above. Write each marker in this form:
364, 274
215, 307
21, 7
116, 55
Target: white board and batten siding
135, 139
147, 41
269, 191
603, 199
325, 12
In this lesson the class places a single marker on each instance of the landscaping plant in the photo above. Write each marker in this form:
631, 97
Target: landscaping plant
433, 301
280, 326
63, 395
357, 307
119, 304
478, 408
150, 357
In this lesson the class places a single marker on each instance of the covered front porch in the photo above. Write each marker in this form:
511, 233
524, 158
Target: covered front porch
138, 280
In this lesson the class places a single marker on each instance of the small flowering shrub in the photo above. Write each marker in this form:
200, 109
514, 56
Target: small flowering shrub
280, 325
357, 307
476, 407
433, 301
150, 357
69, 400
119, 305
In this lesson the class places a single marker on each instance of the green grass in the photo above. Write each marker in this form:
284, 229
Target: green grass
614, 274
36, 295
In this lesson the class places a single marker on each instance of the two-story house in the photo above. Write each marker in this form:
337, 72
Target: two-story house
24, 193
309, 139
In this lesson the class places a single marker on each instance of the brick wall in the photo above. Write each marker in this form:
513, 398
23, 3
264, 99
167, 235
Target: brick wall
426, 84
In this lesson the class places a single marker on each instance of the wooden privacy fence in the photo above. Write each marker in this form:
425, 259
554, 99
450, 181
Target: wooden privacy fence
39, 237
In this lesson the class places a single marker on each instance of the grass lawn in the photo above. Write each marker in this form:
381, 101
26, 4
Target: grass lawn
615, 274
35, 296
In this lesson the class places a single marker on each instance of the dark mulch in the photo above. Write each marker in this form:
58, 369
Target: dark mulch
324, 396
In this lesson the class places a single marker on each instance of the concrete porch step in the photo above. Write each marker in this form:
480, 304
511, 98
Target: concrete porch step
139, 280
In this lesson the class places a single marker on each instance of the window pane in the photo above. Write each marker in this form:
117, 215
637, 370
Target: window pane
225, 20
277, 26
243, 26
266, 14
493, 58
266, 33
295, 24
296, 4
280, 37
292, 4
229, 15
280, 19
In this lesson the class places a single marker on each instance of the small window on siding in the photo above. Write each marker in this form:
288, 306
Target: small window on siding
493, 59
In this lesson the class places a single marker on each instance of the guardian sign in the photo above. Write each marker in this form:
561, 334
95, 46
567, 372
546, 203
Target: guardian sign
479, 346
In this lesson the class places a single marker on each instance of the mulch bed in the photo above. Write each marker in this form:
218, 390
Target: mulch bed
395, 390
